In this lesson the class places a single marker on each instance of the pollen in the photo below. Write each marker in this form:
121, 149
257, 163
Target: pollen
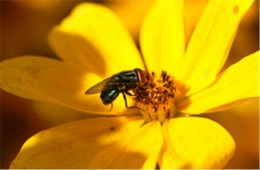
156, 97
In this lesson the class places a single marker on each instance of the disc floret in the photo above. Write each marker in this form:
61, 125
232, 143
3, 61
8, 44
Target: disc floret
156, 97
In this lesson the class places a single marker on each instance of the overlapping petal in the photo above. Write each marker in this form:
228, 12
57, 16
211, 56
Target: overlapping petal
236, 84
170, 160
192, 12
196, 142
119, 142
131, 13
94, 37
211, 41
49, 80
162, 37
242, 122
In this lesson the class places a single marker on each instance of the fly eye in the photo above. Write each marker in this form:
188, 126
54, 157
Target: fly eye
141, 75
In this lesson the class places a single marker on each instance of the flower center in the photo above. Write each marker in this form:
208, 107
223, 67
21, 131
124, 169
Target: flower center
156, 97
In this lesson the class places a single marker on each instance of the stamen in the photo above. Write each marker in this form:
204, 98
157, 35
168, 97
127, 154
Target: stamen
156, 97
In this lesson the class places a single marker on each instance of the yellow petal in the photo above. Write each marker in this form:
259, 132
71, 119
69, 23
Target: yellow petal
236, 84
44, 111
168, 159
50, 80
244, 128
140, 149
197, 143
131, 13
119, 142
162, 36
192, 13
93, 36
211, 41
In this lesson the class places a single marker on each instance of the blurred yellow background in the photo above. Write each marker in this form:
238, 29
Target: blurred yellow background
24, 28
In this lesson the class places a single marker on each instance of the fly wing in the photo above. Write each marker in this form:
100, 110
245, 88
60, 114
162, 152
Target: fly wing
106, 84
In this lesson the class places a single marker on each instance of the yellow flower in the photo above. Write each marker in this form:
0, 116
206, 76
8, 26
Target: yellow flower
94, 45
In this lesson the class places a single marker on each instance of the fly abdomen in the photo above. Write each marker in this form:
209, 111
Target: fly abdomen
109, 96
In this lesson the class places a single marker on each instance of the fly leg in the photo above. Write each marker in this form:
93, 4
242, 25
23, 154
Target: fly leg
129, 107
127, 92
126, 101
110, 108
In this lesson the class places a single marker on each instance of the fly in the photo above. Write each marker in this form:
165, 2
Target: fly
121, 82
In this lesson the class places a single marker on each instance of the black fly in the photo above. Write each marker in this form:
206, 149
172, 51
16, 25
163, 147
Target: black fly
119, 83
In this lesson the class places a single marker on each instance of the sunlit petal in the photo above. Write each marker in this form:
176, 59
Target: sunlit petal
168, 159
236, 84
50, 80
140, 149
211, 41
197, 142
94, 37
162, 36
120, 142
192, 12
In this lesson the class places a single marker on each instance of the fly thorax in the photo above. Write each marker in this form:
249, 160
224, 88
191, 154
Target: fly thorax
156, 97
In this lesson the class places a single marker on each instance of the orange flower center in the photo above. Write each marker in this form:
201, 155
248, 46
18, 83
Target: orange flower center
156, 97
